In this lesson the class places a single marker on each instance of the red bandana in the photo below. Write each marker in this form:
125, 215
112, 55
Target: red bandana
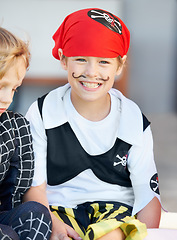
92, 32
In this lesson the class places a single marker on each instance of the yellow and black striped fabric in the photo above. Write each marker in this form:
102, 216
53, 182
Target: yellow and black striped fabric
93, 220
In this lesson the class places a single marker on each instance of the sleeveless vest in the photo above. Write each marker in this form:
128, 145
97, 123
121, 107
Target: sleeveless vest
66, 158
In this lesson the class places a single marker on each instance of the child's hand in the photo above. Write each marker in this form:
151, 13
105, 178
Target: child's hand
61, 231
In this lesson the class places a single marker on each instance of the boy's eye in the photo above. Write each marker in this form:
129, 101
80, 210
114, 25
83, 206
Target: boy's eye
15, 90
80, 60
104, 62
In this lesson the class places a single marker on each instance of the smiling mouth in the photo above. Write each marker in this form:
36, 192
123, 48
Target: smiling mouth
91, 85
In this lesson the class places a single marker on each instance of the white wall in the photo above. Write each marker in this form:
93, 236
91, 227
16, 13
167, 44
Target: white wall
153, 51
153, 74
39, 19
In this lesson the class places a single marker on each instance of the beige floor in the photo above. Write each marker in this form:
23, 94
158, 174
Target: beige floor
164, 128
161, 234
168, 220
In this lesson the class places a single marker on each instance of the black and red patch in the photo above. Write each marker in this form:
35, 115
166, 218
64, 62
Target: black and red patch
107, 19
154, 183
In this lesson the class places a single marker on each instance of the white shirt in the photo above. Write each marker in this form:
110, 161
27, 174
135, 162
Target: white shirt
124, 121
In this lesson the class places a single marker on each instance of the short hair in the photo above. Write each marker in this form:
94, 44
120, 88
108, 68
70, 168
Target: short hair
11, 47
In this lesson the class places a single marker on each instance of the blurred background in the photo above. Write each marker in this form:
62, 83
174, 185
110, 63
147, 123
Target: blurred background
149, 79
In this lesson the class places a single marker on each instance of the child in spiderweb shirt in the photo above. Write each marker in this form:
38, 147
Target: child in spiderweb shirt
18, 220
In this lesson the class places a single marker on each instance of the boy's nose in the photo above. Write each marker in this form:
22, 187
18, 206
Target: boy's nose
91, 70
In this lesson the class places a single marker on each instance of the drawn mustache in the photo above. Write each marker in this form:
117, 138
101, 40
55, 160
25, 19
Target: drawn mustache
83, 76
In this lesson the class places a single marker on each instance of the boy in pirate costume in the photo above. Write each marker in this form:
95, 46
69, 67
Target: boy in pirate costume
29, 220
93, 147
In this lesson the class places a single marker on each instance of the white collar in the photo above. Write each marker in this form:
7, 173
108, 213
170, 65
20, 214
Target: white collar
131, 122
53, 111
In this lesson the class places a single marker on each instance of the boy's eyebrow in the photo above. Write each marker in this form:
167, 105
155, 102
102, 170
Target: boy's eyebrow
79, 56
19, 79
17, 74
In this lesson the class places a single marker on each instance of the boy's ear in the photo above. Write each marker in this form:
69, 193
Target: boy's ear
62, 59
119, 71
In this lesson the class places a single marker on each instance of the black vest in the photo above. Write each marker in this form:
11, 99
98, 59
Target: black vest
66, 158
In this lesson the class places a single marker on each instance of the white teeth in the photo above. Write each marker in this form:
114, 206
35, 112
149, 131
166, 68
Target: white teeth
90, 85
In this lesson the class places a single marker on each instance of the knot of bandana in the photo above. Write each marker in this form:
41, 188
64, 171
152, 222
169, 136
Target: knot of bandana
92, 32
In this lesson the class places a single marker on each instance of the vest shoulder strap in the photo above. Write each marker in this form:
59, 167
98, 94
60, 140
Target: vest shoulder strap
146, 122
40, 102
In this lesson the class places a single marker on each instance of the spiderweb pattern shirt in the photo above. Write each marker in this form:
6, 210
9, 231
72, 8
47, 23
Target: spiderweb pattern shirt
16, 159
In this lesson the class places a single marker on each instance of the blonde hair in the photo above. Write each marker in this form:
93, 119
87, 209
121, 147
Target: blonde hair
11, 47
